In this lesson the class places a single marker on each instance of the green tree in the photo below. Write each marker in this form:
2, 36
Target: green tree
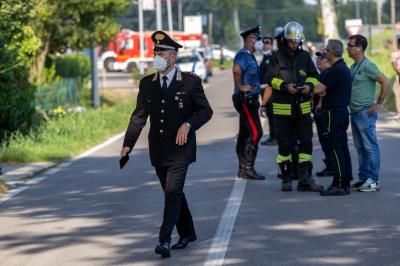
18, 48
74, 24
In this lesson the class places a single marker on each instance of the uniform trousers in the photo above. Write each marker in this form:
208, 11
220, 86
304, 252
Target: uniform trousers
337, 122
250, 129
288, 128
322, 131
176, 209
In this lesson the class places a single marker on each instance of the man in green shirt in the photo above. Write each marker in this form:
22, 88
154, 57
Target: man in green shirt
364, 107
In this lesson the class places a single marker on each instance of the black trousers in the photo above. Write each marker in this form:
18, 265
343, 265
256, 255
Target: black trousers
176, 209
322, 131
270, 117
288, 129
337, 121
250, 129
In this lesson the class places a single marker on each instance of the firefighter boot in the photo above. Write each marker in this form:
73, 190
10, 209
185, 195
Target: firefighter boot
306, 182
328, 171
286, 176
250, 157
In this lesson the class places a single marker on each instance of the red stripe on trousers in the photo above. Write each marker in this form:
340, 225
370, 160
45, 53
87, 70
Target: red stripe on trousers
252, 124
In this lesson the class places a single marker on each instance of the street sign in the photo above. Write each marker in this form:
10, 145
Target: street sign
148, 5
193, 24
353, 26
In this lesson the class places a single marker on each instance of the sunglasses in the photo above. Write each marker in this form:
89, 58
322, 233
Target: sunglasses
352, 45
266, 42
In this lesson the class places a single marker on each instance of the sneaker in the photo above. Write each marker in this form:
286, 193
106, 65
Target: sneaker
368, 186
355, 186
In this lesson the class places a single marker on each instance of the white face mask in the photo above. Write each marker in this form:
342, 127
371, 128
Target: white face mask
160, 64
258, 45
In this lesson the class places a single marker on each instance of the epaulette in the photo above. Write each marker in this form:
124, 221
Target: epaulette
191, 74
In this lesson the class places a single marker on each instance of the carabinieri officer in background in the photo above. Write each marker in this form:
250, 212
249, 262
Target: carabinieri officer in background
246, 77
177, 106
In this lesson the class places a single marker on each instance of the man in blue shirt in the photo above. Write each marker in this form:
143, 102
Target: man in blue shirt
246, 76
335, 86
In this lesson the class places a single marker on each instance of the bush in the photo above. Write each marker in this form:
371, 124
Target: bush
73, 66
18, 48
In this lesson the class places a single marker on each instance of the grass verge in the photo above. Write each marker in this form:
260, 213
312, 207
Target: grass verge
3, 186
70, 134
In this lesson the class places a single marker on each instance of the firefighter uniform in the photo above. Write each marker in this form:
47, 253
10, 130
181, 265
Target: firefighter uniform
336, 120
292, 111
169, 107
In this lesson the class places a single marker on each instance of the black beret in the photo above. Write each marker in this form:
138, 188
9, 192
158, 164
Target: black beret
162, 42
256, 31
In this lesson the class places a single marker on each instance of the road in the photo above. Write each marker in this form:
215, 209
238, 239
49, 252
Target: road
88, 212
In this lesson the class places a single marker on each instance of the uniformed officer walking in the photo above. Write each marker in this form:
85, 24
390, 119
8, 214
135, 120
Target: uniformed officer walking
246, 77
177, 106
335, 84
292, 75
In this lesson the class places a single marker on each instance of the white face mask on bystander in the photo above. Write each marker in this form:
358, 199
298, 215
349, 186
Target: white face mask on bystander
258, 45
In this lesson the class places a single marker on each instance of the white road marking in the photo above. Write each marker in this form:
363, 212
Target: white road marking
56, 169
220, 242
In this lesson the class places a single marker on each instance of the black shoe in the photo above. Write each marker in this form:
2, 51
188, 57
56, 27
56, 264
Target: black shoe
184, 241
269, 142
286, 185
163, 249
325, 172
334, 191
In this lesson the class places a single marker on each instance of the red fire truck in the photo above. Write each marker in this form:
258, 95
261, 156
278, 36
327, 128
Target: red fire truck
123, 52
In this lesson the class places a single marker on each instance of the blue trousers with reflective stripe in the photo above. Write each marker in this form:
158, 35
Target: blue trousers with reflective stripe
337, 122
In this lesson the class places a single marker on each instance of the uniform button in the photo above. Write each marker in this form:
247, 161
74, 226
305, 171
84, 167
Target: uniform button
162, 121
162, 111
161, 131
163, 101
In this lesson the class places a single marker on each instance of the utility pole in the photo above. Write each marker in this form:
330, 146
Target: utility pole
393, 20
94, 78
180, 15
158, 14
141, 37
379, 14
169, 8
236, 25
357, 8
210, 27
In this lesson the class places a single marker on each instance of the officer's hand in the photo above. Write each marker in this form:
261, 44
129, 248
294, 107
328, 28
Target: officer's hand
306, 90
125, 151
292, 88
263, 111
181, 136
373, 108
245, 88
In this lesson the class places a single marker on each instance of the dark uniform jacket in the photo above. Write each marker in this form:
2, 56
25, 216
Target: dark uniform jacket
264, 68
184, 101
282, 70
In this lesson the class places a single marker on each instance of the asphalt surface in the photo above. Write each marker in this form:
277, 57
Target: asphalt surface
89, 212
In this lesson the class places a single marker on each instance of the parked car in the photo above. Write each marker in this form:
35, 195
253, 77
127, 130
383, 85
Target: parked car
227, 53
192, 61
